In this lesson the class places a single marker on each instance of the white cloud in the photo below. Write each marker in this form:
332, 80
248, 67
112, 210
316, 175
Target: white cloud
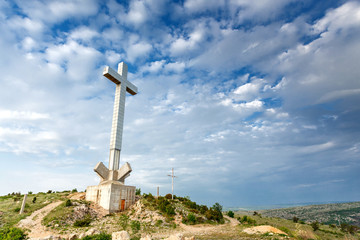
260, 10
347, 15
83, 33
137, 50
23, 115
317, 148
34, 27
137, 13
247, 108
334, 95
54, 11
325, 69
203, 5
184, 44
74, 58
177, 67
247, 91
113, 57
154, 67
29, 44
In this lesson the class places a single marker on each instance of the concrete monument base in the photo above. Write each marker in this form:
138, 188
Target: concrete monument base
111, 195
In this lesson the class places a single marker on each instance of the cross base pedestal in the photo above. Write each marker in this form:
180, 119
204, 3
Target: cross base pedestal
111, 195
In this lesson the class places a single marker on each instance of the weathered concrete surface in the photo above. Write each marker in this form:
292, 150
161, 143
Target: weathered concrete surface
112, 195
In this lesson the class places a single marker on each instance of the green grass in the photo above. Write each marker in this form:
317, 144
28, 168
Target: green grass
58, 216
9, 206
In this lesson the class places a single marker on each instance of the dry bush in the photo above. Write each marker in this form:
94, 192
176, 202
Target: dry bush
305, 234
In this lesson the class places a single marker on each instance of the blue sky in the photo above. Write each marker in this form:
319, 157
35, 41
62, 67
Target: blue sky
252, 102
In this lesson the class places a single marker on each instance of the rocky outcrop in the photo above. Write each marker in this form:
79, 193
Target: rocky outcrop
179, 236
123, 235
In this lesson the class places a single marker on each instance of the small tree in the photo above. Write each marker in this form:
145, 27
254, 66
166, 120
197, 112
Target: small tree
295, 219
315, 225
191, 219
68, 203
138, 191
217, 207
230, 214
34, 200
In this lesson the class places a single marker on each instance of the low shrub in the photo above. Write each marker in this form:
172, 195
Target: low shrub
168, 196
315, 225
231, 214
286, 230
158, 223
165, 207
124, 221
149, 197
191, 219
295, 219
247, 220
12, 234
34, 200
101, 236
203, 209
68, 203
214, 213
348, 228
85, 222
135, 226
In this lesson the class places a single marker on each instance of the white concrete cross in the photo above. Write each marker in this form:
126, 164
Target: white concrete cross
122, 86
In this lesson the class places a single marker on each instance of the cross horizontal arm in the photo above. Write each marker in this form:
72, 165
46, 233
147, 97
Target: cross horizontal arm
116, 78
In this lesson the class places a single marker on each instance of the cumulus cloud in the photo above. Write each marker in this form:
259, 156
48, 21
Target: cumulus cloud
54, 11
202, 5
318, 71
73, 57
83, 33
137, 50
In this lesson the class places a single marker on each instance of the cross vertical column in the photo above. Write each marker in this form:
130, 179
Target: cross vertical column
118, 119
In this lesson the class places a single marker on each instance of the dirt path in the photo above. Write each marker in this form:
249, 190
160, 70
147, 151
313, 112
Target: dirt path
33, 222
195, 229
201, 229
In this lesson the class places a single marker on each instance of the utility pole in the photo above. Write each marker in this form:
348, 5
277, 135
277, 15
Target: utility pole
172, 183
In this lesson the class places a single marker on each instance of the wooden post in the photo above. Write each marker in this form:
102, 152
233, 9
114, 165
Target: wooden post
23, 204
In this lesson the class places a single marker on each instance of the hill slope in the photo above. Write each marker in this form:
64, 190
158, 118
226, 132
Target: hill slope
156, 218
335, 213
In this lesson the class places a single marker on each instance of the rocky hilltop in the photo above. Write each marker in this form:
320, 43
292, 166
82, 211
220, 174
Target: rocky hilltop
65, 215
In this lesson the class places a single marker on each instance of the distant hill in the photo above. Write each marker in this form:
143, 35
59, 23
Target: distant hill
334, 213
